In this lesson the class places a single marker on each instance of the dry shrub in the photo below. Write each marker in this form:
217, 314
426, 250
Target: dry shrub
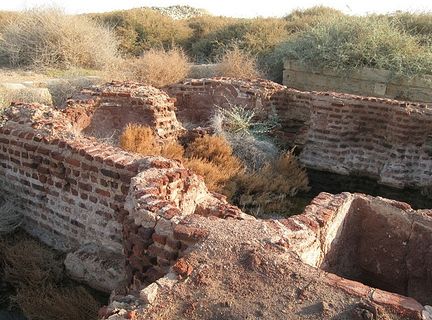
211, 148
199, 71
27, 263
237, 64
269, 190
27, 95
212, 174
172, 150
155, 67
212, 157
10, 218
64, 88
141, 139
49, 302
50, 38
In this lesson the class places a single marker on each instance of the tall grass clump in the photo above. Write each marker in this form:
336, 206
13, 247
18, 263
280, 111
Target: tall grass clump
247, 135
237, 64
41, 290
155, 67
417, 24
43, 38
350, 43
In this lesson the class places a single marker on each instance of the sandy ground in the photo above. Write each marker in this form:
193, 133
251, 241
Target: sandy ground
235, 277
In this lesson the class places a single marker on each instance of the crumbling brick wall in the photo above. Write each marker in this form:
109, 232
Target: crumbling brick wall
385, 139
380, 138
71, 190
155, 230
75, 190
107, 109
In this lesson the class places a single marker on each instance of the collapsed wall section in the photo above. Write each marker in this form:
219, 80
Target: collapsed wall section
110, 107
156, 230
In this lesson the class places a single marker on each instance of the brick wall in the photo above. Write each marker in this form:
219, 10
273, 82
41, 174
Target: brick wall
71, 190
107, 109
156, 231
75, 190
380, 138
384, 139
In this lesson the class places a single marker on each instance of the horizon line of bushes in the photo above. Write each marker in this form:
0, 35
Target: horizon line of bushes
318, 36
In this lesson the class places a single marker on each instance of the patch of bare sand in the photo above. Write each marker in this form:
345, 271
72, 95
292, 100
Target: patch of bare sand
238, 273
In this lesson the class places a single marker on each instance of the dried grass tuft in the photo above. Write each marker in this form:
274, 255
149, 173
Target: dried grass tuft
155, 67
28, 263
270, 189
50, 302
237, 64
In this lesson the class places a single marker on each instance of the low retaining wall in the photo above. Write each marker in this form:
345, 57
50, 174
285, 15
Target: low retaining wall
368, 82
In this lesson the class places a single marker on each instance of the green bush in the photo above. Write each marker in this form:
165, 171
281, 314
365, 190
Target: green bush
349, 43
256, 36
415, 24
300, 20
142, 29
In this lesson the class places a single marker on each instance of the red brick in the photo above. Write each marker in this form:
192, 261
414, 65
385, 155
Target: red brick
402, 305
158, 238
183, 268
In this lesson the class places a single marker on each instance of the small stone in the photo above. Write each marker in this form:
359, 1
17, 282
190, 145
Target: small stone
149, 293
427, 313
182, 267
168, 281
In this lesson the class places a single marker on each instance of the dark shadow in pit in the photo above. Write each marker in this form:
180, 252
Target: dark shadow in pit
321, 181
384, 247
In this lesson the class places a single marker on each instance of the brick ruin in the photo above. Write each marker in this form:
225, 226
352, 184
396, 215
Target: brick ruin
387, 140
146, 215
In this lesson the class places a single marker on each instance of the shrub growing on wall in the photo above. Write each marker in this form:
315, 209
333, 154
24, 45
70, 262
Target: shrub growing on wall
50, 38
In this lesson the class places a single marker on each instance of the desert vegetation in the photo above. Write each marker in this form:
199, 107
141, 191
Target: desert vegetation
153, 41
264, 184
49, 38
156, 67
38, 286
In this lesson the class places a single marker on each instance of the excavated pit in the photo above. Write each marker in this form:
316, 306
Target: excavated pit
384, 246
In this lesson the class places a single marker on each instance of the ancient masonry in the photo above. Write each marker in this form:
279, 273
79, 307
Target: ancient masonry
130, 221
388, 140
